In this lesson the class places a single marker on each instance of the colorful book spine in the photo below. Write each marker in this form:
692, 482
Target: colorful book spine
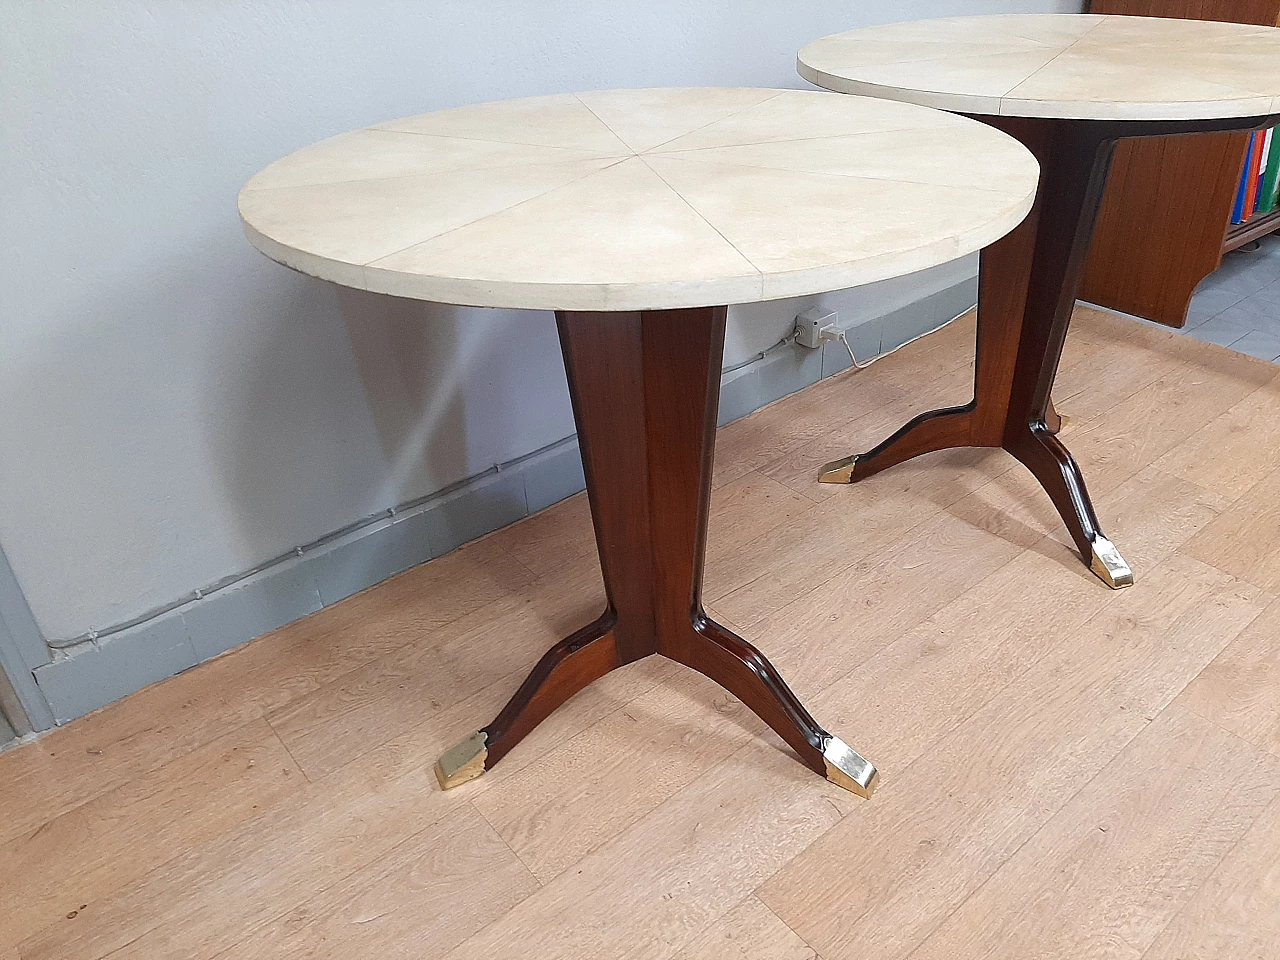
1269, 192
1237, 209
1262, 168
1251, 175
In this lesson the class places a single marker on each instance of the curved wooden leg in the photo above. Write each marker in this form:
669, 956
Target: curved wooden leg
935, 430
1026, 292
719, 653
576, 661
1053, 421
1052, 464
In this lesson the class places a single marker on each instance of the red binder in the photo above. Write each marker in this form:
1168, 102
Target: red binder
1252, 169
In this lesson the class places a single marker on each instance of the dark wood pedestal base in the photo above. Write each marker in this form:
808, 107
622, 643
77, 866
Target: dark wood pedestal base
1027, 290
645, 389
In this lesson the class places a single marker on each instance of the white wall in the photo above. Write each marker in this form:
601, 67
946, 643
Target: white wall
173, 407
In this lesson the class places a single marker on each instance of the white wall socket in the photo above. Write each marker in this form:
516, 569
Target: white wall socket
812, 324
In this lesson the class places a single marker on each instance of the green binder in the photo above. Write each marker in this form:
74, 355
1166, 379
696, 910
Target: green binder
1269, 193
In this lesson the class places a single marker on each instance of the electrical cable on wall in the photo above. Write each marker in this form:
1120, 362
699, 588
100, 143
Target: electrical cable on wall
843, 338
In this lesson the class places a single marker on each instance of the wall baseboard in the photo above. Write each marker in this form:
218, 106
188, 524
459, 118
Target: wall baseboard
92, 674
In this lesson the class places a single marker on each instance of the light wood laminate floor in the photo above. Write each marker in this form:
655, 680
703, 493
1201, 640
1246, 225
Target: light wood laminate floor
1067, 771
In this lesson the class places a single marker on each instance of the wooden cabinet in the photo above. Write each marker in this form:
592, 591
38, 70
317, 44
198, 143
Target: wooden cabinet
1166, 215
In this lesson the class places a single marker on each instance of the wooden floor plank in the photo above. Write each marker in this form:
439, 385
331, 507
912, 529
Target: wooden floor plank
1234, 451
73, 764
672, 875
342, 719
582, 794
880, 883
1108, 873
1245, 540
928, 681
206, 900
751, 442
101, 846
420, 899
211, 897
1236, 914
1102, 368
946, 354
750, 931
339, 722
1240, 689
559, 535
863, 520
1148, 517
750, 507
882, 409
819, 638
1157, 418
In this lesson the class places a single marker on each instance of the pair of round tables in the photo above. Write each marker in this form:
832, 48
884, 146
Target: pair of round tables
639, 215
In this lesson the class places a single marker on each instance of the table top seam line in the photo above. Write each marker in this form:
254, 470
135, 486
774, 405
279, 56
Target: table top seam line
517, 164
1052, 60
507, 209
844, 176
727, 116
654, 152
603, 123
698, 213
380, 128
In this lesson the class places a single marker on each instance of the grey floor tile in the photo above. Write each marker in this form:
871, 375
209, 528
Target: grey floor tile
1271, 292
1256, 313
1239, 305
1242, 272
1208, 302
1264, 346
1221, 330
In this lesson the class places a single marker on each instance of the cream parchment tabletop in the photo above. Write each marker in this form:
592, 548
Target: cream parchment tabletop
1072, 66
641, 199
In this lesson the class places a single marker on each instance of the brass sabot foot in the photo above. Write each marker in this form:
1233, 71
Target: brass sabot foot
838, 471
1107, 563
463, 762
847, 769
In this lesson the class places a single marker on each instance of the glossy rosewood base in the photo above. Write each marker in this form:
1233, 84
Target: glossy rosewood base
645, 389
1027, 290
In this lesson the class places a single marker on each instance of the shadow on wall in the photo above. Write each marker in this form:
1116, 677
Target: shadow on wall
291, 438
288, 440
414, 359
444, 393
454, 390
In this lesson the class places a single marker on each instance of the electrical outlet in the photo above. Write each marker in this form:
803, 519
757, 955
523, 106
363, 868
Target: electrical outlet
815, 326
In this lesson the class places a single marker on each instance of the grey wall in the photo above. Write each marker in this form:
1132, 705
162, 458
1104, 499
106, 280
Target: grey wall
177, 409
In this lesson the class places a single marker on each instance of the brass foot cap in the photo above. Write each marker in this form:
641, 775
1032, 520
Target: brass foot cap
847, 769
838, 471
1109, 565
462, 763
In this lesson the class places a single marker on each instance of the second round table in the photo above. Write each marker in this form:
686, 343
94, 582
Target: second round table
1068, 86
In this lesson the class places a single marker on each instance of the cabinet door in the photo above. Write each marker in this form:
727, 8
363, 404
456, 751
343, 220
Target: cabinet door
1167, 207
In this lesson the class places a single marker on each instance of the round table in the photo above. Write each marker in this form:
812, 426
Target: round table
1068, 86
638, 216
